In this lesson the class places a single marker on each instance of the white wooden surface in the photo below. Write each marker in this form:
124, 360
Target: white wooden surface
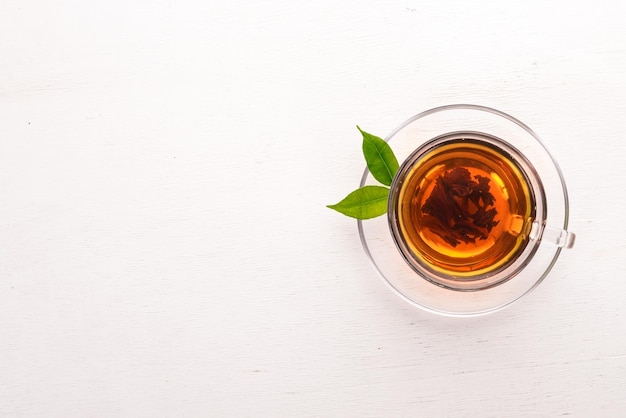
164, 246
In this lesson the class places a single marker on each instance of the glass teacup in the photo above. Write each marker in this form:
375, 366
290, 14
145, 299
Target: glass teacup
478, 211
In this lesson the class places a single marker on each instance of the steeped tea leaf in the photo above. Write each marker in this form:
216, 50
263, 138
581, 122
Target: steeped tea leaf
460, 208
381, 161
364, 203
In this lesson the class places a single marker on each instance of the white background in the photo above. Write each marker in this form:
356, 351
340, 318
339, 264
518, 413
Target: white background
165, 249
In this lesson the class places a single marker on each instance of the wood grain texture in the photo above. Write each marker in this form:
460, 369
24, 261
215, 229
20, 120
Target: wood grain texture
165, 249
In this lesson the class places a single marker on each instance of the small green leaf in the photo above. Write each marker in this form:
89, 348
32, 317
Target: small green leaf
364, 203
381, 161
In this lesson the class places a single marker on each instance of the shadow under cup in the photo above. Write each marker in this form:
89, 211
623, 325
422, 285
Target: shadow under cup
464, 210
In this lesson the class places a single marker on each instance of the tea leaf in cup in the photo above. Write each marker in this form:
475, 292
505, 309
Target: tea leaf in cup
364, 203
381, 161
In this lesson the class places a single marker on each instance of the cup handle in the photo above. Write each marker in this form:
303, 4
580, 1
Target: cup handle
553, 236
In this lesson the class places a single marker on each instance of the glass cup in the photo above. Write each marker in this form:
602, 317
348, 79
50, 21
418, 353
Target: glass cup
477, 212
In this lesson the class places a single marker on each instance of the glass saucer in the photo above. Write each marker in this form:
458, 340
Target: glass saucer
549, 234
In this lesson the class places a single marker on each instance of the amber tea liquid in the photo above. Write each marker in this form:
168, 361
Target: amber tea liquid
465, 208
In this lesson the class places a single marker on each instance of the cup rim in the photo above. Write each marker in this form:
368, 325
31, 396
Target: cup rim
488, 278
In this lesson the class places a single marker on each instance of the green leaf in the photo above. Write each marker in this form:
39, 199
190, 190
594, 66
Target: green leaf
364, 203
381, 161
